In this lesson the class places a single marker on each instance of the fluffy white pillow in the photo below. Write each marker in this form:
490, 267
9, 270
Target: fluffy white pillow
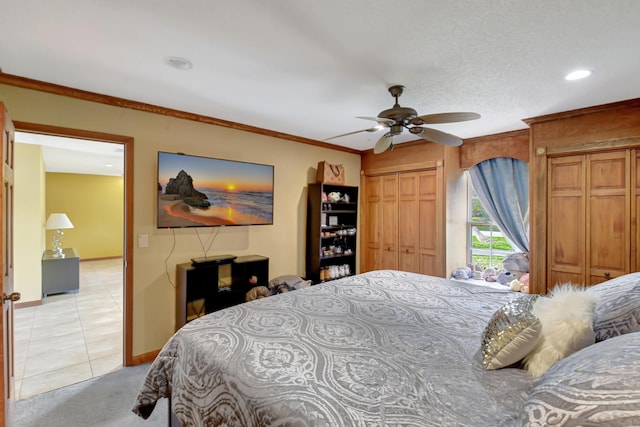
567, 326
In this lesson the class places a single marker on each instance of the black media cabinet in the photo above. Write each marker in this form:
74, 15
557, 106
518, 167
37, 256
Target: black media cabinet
207, 285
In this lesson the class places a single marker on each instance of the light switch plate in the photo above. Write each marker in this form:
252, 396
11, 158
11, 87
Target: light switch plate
143, 240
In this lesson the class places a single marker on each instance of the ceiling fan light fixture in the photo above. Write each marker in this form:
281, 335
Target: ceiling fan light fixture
398, 118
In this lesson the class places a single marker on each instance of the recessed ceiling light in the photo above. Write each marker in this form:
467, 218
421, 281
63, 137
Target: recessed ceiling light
108, 165
178, 63
577, 75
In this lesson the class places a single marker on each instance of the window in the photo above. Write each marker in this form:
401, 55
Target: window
487, 245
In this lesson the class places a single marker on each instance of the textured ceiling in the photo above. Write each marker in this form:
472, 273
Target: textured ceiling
308, 68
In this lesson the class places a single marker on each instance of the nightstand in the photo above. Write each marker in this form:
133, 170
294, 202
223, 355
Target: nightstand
60, 274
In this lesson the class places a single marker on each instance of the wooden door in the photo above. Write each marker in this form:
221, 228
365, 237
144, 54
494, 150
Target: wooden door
408, 222
635, 210
6, 259
372, 224
431, 227
608, 216
589, 224
389, 223
566, 220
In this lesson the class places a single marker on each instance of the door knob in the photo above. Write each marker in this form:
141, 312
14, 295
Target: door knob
14, 296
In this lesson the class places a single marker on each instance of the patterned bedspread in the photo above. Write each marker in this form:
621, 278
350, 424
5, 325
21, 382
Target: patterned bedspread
383, 348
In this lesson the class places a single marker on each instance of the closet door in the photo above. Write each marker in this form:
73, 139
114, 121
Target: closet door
408, 225
589, 235
566, 220
372, 224
635, 209
389, 225
608, 216
431, 228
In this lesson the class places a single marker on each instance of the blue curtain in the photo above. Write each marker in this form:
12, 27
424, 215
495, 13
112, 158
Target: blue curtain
502, 185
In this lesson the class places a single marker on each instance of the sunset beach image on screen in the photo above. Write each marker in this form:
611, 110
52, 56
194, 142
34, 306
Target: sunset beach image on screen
197, 191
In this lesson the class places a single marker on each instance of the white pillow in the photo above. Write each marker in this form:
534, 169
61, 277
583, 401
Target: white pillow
567, 326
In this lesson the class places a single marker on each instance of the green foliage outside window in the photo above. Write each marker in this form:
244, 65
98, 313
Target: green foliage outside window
488, 245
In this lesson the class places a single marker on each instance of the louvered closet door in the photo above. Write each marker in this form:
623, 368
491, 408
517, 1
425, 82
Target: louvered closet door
608, 216
408, 225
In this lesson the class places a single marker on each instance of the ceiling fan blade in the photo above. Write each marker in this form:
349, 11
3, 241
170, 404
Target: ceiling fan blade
383, 144
373, 129
430, 119
381, 120
439, 137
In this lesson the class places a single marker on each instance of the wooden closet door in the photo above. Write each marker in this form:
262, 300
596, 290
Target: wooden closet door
566, 220
372, 224
431, 228
608, 216
635, 210
408, 224
389, 223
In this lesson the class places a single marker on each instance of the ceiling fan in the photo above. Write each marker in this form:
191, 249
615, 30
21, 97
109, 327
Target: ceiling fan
398, 118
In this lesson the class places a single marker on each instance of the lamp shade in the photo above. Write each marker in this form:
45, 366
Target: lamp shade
57, 221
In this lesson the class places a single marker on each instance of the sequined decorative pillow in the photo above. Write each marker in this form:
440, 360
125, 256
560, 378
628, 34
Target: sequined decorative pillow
511, 334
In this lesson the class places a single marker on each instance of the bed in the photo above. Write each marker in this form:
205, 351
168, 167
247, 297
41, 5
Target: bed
383, 348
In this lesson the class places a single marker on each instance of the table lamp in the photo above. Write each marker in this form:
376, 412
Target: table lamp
58, 221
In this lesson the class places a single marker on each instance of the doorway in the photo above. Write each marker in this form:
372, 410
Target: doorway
90, 328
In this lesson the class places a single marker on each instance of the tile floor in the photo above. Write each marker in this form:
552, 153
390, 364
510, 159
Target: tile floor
71, 337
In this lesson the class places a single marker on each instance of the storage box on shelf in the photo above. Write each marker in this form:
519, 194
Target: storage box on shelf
332, 214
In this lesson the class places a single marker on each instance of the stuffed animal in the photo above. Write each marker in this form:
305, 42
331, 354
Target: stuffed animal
515, 285
517, 263
257, 292
462, 273
334, 196
524, 279
489, 274
505, 277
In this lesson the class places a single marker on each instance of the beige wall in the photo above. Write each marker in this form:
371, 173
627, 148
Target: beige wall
153, 279
95, 206
29, 219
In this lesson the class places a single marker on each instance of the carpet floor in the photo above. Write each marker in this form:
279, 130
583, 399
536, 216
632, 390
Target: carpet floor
104, 401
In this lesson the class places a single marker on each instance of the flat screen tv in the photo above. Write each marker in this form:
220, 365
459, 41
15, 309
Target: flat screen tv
195, 191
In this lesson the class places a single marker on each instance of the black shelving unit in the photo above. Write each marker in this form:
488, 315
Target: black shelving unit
215, 283
331, 231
